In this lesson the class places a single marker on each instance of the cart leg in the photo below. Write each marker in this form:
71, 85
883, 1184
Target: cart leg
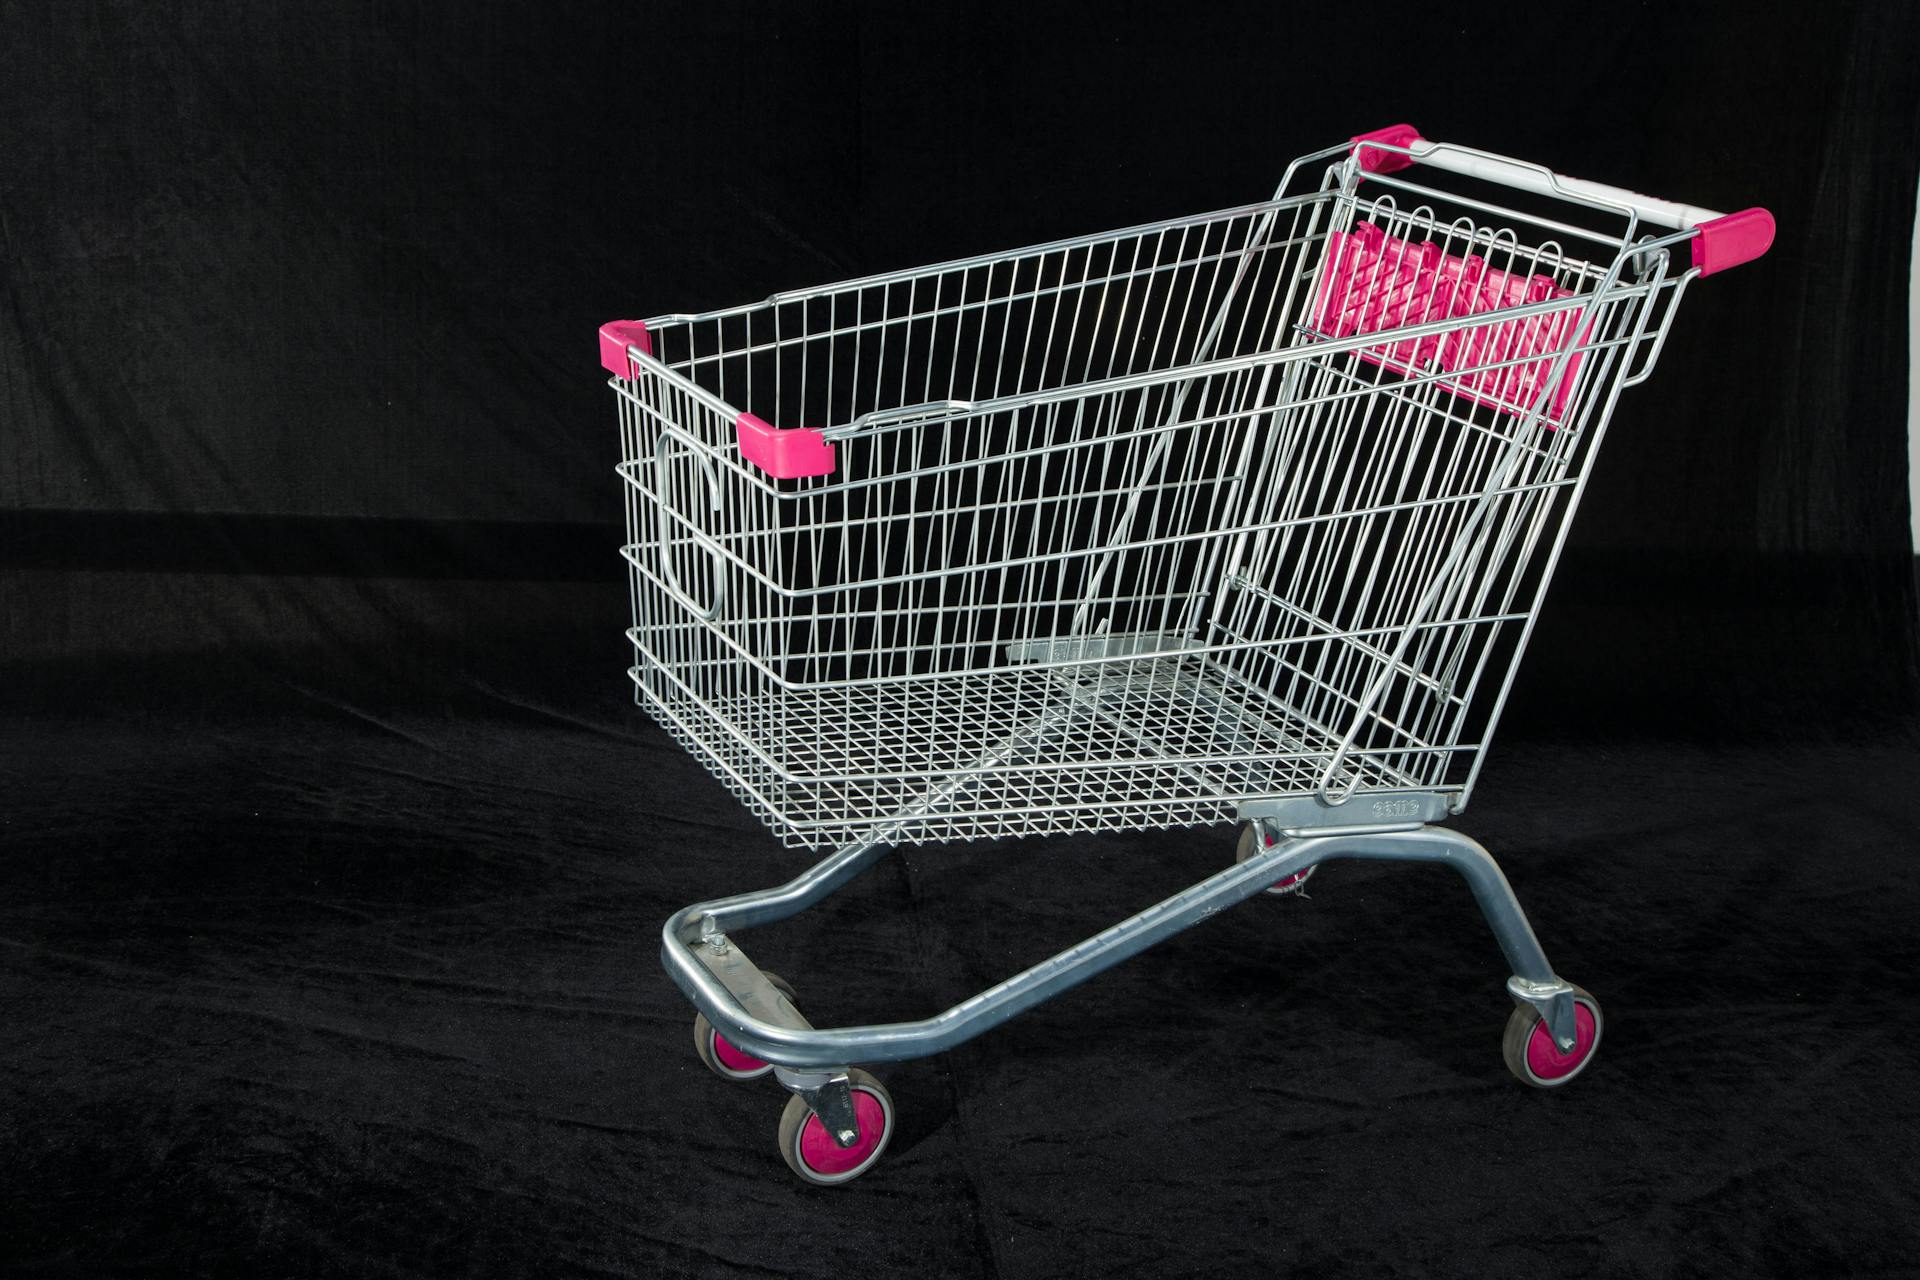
1534, 983
707, 966
745, 910
839, 1119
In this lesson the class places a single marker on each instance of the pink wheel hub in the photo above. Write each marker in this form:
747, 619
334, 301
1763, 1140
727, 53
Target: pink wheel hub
1293, 881
825, 1156
1544, 1058
733, 1059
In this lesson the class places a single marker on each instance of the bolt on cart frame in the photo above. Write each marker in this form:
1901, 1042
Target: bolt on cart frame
1238, 517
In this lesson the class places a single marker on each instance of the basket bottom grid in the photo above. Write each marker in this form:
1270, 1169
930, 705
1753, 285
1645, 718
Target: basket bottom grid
1141, 744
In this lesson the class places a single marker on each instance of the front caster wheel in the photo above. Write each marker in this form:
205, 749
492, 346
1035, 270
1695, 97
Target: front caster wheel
1532, 1055
1247, 848
721, 1057
810, 1150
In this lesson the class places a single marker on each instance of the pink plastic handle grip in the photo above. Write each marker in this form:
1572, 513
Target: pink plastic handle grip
1731, 240
1373, 159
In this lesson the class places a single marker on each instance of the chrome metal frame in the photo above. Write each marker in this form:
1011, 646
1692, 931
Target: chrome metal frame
1125, 531
708, 965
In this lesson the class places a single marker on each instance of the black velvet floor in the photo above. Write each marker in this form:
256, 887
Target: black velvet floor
338, 994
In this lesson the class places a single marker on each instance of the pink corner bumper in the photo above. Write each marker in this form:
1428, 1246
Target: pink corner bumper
618, 335
786, 454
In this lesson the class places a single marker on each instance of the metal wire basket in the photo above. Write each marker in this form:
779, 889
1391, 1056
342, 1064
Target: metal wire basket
1241, 515
1129, 529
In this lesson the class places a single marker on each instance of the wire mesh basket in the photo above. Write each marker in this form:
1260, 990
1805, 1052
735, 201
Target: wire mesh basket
1128, 529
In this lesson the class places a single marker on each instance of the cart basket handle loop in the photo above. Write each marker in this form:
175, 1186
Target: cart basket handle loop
672, 438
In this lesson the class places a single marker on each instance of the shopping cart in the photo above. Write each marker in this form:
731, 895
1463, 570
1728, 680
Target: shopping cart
1239, 517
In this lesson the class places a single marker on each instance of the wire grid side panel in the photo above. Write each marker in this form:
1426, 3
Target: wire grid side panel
1404, 540
698, 530
915, 668
884, 667
1098, 514
1076, 312
968, 672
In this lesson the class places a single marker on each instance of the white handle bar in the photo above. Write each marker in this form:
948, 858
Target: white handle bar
1721, 240
1532, 177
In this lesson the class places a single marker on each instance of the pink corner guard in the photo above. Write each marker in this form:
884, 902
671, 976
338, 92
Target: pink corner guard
616, 336
785, 454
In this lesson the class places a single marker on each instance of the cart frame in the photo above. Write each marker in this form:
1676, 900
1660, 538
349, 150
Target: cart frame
1345, 813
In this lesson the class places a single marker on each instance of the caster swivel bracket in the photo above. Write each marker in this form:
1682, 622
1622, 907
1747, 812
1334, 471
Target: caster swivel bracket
829, 1096
1554, 1000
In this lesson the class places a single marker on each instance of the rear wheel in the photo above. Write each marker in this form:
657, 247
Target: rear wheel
720, 1056
1532, 1055
810, 1150
1249, 846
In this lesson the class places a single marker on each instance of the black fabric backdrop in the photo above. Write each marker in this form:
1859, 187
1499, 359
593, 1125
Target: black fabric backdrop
333, 843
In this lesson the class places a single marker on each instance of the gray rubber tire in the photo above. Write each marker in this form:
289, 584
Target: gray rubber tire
1245, 849
793, 1122
704, 1036
1519, 1032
